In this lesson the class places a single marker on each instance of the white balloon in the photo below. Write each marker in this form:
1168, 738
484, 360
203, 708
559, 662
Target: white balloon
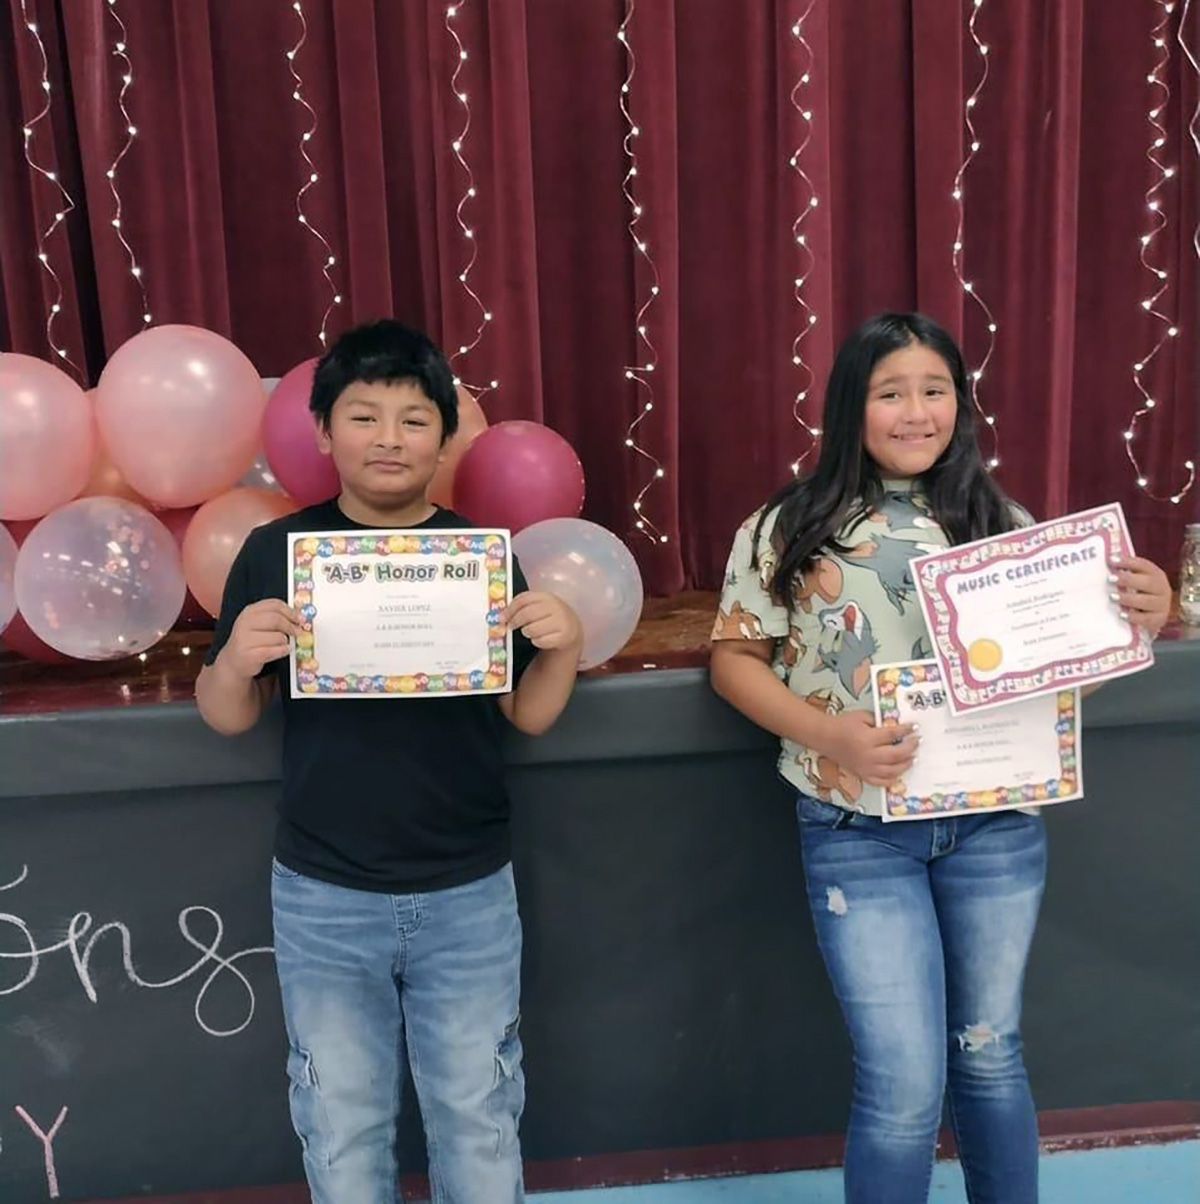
591, 570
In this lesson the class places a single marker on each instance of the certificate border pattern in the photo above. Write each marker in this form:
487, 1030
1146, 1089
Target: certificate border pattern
904, 806
307, 550
931, 574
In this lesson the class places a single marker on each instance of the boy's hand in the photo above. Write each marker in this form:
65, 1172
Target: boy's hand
1143, 593
263, 632
545, 620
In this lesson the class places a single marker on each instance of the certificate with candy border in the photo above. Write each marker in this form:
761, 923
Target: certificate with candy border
1033, 746
419, 585
1037, 598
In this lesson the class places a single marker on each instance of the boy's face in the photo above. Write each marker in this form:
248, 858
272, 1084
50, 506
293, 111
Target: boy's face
385, 440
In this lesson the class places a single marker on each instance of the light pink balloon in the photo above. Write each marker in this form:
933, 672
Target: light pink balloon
180, 410
591, 570
100, 578
215, 536
290, 440
45, 437
104, 477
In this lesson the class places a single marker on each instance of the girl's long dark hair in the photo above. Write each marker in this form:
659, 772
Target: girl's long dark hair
845, 485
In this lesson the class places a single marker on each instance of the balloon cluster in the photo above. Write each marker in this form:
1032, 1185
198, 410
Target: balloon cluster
126, 505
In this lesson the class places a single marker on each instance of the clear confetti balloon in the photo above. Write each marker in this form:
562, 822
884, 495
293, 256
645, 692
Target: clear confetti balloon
100, 578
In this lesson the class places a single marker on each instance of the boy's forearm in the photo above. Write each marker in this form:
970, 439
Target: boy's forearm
228, 704
544, 690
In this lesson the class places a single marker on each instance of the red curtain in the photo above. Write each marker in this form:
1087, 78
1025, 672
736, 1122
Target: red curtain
1055, 209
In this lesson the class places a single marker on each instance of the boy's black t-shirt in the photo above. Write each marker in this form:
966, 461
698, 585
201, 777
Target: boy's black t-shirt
392, 795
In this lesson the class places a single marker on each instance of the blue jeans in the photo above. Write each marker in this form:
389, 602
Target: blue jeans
925, 929
363, 974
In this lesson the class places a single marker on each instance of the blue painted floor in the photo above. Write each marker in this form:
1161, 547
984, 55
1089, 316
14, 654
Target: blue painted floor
1157, 1174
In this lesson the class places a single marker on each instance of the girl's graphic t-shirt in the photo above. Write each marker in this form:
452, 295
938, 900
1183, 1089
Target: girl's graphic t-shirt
850, 610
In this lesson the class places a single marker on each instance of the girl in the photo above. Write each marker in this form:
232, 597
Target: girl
924, 927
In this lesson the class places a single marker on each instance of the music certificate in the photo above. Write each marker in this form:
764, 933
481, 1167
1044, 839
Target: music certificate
1025, 754
1030, 612
400, 614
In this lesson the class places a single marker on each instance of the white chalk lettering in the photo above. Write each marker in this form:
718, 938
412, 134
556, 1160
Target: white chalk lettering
82, 949
47, 1140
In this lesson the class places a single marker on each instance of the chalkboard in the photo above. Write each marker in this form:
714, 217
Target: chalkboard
672, 996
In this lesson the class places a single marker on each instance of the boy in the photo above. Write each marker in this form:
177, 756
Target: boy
394, 910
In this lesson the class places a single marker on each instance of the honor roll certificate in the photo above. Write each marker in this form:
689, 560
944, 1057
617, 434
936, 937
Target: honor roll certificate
400, 614
1026, 754
1030, 612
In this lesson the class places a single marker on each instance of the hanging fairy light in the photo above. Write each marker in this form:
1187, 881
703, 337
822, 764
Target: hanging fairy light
66, 204
1193, 126
121, 51
975, 375
639, 373
807, 259
329, 259
1167, 329
458, 146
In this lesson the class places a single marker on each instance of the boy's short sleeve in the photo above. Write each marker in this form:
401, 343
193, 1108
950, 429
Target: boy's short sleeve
747, 609
238, 594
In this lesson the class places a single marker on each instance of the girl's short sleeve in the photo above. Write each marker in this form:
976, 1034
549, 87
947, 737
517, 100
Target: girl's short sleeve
747, 609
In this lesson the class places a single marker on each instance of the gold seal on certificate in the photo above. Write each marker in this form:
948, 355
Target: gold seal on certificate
400, 614
1030, 612
1025, 754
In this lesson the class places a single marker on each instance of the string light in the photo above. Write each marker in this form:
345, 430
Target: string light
458, 146
967, 286
121, 51
1192, 126
639, 373
66, 206
328, 257
807, 259
1168, 331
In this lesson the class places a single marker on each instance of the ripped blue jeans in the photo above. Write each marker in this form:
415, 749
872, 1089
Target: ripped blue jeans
925, 928
365, 974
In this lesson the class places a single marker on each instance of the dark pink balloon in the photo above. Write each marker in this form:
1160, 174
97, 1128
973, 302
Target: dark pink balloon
290, 440
515, 474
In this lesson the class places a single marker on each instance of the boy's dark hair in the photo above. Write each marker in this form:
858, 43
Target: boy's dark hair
389, 352
845, 485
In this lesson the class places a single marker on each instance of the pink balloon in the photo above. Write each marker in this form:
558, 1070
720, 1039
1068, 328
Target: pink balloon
180, 410
290, 440
471, 424
45, 437
100, 578
104, 477
193, 614
216, 533
518, 473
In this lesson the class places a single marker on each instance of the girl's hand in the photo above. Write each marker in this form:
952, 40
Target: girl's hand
1143, 593
878, 755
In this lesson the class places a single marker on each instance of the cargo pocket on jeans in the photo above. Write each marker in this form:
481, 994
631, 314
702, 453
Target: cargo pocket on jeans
507, 1100
308, 1112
